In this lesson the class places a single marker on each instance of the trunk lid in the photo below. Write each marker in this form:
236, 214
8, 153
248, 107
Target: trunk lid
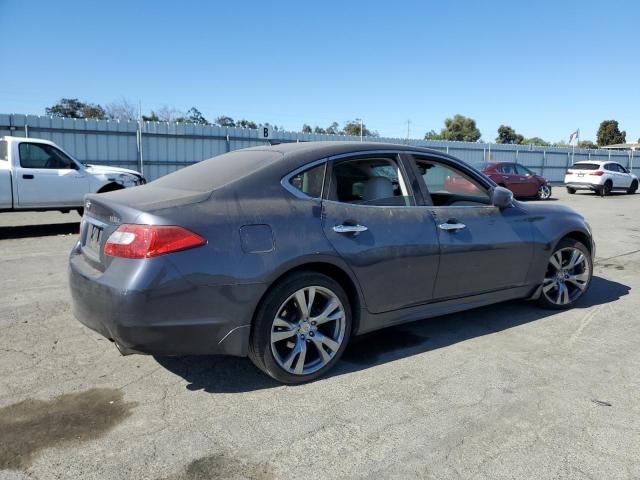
581, 172
105, 212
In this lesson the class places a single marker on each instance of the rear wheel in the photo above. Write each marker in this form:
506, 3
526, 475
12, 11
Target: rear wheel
301, 328
571, 191
568, 275
632, 189
544, 192
606, 188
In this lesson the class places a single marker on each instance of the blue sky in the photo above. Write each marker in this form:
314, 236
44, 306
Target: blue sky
543, 67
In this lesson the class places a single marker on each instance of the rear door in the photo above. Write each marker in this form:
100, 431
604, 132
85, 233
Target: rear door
371, 218
47, 177
482, 248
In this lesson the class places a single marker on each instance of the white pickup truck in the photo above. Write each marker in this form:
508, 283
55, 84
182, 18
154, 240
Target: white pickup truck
38, 175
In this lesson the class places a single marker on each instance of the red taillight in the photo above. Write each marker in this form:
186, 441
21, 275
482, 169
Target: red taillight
145, 241
568, 172
597, 174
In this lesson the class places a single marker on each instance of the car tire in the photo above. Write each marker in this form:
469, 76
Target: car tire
605, 190
544, 192
571, 191
633, 187
286, 343
574, 280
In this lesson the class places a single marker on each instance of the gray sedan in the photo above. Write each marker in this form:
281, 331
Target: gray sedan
283, 253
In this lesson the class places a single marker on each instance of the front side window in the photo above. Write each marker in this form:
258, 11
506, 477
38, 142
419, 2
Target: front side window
369, 181
448, 186
621, 168
310, 181
37, 155
523, 170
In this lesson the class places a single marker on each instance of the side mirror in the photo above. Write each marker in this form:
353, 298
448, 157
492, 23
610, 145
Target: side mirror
501, 197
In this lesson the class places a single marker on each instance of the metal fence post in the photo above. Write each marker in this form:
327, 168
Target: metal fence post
139, 143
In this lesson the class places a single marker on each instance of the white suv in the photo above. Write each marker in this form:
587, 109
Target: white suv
602, 177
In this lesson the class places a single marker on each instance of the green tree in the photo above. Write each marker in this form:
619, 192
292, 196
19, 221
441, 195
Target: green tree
74, 108
306, 128
507, 134
587, 144
246, 124
353, 128
609, 133
193, 116
334, 129
319, 130
225, 121
432, 135
151, 118
461, 129
536, 141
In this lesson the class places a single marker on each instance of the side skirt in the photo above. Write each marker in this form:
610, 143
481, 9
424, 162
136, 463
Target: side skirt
370, 322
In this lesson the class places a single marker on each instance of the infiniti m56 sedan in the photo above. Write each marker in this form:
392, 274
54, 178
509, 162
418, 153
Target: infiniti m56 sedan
283, 253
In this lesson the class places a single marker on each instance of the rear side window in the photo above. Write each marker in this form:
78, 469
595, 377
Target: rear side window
3, 150
585, 166
369, 181
310, 181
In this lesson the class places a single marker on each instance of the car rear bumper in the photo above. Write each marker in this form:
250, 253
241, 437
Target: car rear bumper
583, 186
178, 318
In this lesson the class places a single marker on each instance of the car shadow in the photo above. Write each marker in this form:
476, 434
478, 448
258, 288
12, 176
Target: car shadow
220, 374
28, 231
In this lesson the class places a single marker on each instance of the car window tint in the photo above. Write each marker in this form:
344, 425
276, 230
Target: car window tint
522, 170
33, 155
621, 168
310, 181
449, 186
369, 181
585, 166
507, 169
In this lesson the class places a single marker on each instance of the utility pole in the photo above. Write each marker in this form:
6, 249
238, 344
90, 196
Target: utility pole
408, 129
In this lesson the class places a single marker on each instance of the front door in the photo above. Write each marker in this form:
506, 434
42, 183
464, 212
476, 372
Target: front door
372, 221
47, 177
528, 182
482, 248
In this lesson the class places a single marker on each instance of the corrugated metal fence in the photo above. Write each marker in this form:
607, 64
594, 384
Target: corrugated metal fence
159, 148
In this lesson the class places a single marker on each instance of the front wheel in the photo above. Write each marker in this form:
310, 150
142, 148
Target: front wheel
544, 192
568, 275
301, 328
632, 189
571, 191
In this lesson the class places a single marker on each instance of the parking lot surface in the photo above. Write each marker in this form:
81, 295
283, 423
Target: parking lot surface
507, 391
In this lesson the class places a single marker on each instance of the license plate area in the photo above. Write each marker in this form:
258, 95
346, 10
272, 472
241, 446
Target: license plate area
93, 240
581, 174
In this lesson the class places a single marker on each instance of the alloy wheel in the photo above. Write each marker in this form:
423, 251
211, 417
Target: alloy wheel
567, 276
544, 192
308, 330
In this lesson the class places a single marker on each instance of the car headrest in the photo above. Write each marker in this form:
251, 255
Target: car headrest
377, 187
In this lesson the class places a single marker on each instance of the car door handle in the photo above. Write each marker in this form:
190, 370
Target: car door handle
27, 176
452, 226
350, 229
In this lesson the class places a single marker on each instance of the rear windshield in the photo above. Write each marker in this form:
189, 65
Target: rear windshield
585, 166
210, 174
3, 150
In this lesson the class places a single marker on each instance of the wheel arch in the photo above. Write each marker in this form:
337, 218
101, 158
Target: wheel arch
333, 271
110, 187
579, 236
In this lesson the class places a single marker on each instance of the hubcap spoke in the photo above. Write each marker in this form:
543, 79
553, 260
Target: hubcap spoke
556, 261
282, 335
328, 315
323, 339
301, 300
579, 281
550, 284
576, 258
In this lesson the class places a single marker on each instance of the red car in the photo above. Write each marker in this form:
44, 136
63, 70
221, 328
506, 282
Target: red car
520, 180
